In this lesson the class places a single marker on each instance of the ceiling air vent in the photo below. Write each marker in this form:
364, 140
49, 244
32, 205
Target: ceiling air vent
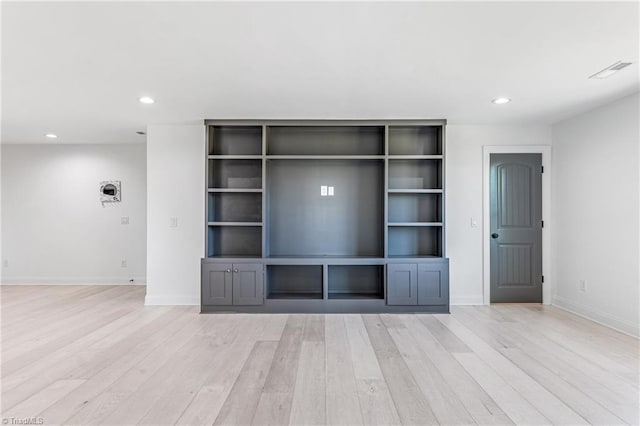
610, 70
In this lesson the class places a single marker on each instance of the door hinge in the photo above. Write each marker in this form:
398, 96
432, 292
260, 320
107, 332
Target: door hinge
541, 169
543, 279
542, 223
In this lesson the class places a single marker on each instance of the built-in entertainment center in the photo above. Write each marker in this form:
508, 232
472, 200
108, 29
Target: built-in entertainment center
325, 216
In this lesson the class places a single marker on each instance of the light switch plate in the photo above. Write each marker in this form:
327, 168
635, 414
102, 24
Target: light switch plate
331, 191
124, 220
474, 223
323, 191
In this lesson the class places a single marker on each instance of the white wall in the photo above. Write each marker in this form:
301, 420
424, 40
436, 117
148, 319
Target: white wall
596, 214
464, 200
54, 228
176, 177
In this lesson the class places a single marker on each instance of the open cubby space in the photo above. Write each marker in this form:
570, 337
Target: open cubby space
234, 241
415, 174
325, 140
235, 207
415, 140
301, 222
405, 208
294, 282
356, 282
414, 241
235, 140
236, 174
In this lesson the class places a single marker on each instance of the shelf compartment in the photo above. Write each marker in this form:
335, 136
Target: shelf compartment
415, 241
301, 222
325, 140
234, 207
234, 241
415, 174
356, 282
235, 174
235, 140
294, 282
415, 208
415, 140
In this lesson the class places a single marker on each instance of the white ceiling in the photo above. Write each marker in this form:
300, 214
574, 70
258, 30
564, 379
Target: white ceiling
77, 69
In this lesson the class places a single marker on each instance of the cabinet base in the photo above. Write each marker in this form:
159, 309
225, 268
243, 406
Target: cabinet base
350, 306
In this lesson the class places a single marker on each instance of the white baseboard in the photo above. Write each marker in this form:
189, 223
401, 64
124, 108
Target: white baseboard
171, 299
603, 318
73, 281
467, 300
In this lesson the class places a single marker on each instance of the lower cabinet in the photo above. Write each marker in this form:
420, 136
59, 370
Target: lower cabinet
418, 283
232, 284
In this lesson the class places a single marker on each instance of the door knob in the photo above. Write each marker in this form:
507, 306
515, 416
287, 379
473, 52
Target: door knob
228, 270
494, 235
235, 270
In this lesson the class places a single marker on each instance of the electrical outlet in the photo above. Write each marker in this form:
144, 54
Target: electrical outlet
124, 220
131, 281
5, 263
331, 191
123, 264
582, 286
173, 222
323, 190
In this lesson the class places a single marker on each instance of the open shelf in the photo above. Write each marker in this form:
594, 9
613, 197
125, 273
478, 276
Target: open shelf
301, 222
234, 207
235, 140
415, 208
294, 282
356, 282
234, 241
325, 140
415, 241
235, 174
415, 174
415, 140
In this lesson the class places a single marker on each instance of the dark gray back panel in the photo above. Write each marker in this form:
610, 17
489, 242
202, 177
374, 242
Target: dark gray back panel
325, 140
235, 140
230, 241
236, 174
353, 281
409, 241
303, 223
415, 140
516, 227
415, 207
294, 281
234, 207
415, 174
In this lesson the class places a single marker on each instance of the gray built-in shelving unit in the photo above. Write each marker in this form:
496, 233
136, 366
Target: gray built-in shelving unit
274, 243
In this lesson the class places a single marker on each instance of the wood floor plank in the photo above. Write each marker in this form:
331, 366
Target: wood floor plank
343, 405
96, 355
240, 405
308, 406
475, 399
274, 407
412, 405
376, 403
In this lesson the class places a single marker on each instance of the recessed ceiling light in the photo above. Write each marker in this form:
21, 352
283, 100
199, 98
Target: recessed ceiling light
51, 136
610, 70
501, 101
146, 100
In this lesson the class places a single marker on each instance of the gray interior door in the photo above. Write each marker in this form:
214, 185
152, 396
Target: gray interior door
248, 288
516, 227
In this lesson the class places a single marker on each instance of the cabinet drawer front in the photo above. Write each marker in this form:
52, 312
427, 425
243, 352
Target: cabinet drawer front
402, 284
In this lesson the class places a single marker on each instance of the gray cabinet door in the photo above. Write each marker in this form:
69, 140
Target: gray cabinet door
216, 284
248, 288
433, 284
402, 284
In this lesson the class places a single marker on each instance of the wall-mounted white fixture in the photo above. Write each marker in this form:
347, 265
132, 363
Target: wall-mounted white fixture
146, 100
51, 136
610, 70
500, 101
110, 191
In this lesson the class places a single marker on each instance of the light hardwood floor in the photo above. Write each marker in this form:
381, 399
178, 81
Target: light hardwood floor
95, 354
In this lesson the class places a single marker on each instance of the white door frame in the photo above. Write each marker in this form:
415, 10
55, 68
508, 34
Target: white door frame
545, 150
